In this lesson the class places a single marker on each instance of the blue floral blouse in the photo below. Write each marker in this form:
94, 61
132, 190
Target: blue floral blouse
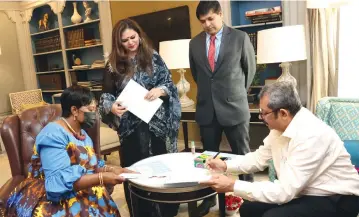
166, 121
58, 161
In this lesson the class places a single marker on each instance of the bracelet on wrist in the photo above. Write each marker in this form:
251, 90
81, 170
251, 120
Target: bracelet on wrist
100, 177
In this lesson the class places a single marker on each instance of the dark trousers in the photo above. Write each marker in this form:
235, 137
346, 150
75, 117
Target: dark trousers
306, 206
133, 149
237, 136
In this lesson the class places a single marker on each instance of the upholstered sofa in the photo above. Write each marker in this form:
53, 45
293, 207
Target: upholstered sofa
342, 114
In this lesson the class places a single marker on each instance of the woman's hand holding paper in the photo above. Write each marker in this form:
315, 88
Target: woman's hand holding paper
154, 93
118, 109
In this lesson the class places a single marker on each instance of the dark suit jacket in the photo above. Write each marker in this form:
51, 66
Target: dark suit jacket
223, 91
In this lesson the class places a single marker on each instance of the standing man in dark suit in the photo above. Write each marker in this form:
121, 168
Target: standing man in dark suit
223, 65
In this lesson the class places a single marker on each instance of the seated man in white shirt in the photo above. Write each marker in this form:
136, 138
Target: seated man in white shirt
315, 174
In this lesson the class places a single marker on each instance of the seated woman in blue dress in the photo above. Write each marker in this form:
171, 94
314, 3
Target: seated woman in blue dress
65, 176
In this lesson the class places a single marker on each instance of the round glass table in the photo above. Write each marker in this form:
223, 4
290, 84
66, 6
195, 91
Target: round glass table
170, 178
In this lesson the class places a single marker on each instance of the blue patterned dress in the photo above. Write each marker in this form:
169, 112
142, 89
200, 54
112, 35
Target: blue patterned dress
166, 121
58, 161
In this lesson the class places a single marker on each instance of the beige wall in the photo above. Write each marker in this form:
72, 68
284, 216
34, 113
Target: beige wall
11, 78
124, 9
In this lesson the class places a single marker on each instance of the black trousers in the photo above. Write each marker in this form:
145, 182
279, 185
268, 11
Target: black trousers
133, 149
306, 206
237, 136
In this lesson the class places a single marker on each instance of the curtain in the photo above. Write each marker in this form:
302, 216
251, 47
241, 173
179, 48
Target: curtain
323, 26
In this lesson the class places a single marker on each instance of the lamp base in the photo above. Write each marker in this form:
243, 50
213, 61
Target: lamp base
183, 86
286, 76
185, 101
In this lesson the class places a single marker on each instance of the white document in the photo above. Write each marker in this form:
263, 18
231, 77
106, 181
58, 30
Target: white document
154, 168
158, 171
133, 98
131, 175
187, 178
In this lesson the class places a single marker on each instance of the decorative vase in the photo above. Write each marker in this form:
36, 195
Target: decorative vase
76, 17
232, 213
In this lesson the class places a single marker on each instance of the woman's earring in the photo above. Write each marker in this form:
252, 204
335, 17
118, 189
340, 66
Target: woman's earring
75, 118
140, 40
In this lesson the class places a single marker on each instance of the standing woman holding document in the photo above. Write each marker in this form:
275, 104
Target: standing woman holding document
132, 57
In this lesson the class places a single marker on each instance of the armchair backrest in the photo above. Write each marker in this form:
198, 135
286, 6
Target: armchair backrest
24, 97
19, 132
342, 114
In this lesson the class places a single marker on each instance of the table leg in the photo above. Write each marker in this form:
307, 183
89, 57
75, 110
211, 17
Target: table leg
191, 207
185, 135
222, 205
133, 203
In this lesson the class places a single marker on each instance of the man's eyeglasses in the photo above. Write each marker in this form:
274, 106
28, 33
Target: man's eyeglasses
262, 115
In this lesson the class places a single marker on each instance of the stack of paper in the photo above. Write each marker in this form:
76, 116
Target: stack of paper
158, 172
133, 98
187, 178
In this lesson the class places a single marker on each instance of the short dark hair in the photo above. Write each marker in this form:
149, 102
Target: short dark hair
282, 95
75, 95
204, 7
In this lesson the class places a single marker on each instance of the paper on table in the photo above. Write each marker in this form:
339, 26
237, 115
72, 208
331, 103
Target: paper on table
188, 178
164, 175
133, 98
152, 168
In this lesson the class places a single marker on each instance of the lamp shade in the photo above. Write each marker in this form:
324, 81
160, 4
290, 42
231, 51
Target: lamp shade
328, 3
282, 44
175, 53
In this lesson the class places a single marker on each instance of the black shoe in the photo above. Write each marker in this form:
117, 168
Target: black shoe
205, 206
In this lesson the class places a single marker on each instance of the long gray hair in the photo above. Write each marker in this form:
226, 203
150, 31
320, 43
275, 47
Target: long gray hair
282, 95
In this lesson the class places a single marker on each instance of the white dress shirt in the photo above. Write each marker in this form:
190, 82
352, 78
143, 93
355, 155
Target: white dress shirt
309, 158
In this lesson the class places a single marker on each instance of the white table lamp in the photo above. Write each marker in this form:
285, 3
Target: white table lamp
175, 55
328, 3
282, 45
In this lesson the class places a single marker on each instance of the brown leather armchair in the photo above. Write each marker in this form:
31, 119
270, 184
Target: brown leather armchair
18, 133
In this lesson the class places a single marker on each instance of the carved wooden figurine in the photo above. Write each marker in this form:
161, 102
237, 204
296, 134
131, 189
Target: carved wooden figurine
43, 23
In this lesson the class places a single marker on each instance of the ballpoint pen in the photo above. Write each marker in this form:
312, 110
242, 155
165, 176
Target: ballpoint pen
216, 155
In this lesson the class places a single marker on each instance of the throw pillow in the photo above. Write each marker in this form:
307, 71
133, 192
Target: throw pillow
34, 105
352, 147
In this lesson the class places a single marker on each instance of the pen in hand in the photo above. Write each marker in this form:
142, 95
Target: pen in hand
216, 155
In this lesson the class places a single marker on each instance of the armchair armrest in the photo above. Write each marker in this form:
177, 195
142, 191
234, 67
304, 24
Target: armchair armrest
7, 188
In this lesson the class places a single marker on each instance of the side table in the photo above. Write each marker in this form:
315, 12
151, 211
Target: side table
156, 190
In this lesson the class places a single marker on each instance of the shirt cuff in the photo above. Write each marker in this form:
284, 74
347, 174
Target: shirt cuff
232, 165
243, 189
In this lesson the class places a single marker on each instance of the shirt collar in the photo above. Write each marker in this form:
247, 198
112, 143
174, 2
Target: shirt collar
292, 128
218, 35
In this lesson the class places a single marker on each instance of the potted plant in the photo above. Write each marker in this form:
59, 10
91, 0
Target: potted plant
232, 203
260, 68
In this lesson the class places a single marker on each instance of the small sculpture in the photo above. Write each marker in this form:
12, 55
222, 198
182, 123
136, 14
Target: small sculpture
87, 11
43, 23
